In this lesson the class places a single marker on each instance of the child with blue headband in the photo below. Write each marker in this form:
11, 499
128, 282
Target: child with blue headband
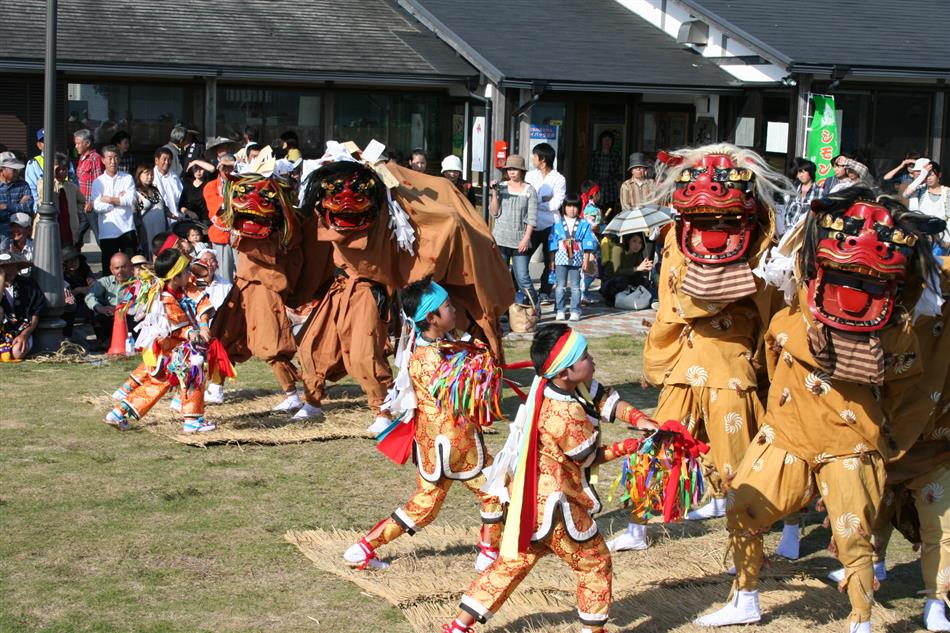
553, 445
439, 407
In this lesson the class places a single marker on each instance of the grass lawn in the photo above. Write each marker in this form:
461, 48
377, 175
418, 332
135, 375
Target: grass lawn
110, 531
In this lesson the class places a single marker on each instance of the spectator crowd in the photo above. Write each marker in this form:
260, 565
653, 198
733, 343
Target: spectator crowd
130, 206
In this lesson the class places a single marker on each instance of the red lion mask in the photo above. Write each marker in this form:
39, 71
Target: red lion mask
258, 205
717, 210
861, 258
350, 196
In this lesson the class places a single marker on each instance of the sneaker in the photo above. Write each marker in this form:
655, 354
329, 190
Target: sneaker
559, 316
204, 427
117, 419
362, 556
742, 609
308, 412
575, 316
191, 426
545, 299
655, 305
290, 403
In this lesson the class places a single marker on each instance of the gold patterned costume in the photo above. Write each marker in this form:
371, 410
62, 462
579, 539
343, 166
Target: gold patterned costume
919, 480
843, 349
446, 449
568, 446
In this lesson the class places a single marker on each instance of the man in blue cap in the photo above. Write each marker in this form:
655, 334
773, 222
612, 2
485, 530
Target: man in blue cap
34, 168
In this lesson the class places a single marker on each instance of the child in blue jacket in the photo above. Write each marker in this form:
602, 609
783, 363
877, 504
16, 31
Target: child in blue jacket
573, 243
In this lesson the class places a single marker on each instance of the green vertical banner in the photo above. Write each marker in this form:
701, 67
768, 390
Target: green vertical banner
823, 141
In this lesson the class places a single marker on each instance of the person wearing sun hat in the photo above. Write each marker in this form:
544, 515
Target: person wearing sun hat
15, 196
21, 302
19, 242
514, 205
637, 190
452, 169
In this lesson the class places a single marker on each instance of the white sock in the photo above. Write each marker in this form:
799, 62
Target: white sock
788, 547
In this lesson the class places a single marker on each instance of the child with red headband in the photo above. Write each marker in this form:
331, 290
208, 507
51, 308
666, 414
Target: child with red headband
175, 340
554, 442
448, 443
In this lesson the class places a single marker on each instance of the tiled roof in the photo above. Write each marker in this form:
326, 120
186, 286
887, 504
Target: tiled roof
573, 41
365, 37
858, 33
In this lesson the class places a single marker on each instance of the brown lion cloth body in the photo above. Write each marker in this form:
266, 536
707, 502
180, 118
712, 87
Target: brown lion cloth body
704, 348
280, 265
347, 333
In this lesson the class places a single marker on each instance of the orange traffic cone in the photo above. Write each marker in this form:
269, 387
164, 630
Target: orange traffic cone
120, 333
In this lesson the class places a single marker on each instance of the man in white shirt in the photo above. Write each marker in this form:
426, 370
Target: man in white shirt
113, 200
167, 182
552, 189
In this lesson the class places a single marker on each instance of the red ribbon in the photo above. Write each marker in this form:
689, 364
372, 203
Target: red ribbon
587, 195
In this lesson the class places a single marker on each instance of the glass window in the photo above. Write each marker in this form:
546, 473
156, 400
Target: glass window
402, 122
901, 124
146, 111
272, 111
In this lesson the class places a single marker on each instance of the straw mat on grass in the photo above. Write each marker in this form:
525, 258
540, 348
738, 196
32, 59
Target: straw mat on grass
661, 589
245, 417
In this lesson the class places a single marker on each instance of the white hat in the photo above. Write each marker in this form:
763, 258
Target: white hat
22, 219
920, 164
451, 163
9, 159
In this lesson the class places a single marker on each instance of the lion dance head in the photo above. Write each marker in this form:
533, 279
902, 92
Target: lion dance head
258, 206
860, 250
723, 197
348, 196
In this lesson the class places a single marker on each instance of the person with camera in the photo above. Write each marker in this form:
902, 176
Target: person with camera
514, 205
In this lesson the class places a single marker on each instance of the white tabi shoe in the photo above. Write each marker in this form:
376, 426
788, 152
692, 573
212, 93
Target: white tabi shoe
486, 556
714, 509
308, 412
635, 538
291, 403
788, 547
362, 556
742, 609
879, 572
859, 627
214, 394
935, 616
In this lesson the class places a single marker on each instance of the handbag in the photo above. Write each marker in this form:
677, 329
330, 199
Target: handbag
638, 298
522, 318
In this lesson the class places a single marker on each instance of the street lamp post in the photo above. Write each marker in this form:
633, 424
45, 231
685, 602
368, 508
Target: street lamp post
47, 257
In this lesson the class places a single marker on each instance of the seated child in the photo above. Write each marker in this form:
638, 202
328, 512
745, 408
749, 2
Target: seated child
174, 337
552, 503
448, 446
573, 244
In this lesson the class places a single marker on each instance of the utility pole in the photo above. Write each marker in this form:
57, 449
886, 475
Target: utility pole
47, 256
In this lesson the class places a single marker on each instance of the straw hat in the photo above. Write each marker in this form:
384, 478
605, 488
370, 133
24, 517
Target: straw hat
515, 162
